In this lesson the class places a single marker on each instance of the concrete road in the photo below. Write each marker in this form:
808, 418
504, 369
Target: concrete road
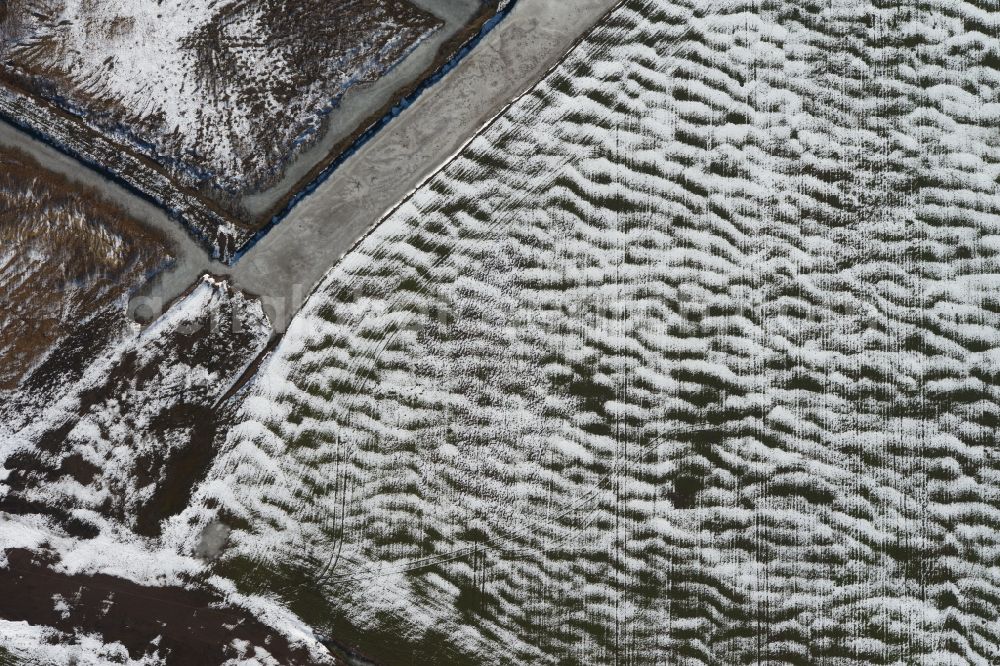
285, 266
362, 100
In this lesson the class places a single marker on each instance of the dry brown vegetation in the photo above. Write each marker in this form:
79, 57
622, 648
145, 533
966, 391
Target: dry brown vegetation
66, 256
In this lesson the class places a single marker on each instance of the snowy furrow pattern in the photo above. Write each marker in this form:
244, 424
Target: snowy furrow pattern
690, 357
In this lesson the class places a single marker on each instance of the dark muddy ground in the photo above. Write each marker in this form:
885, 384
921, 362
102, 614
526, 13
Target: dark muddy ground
163, 400
69, 259
186, 627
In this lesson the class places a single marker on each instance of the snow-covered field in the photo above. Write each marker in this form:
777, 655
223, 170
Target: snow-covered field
222, 94
690, 357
